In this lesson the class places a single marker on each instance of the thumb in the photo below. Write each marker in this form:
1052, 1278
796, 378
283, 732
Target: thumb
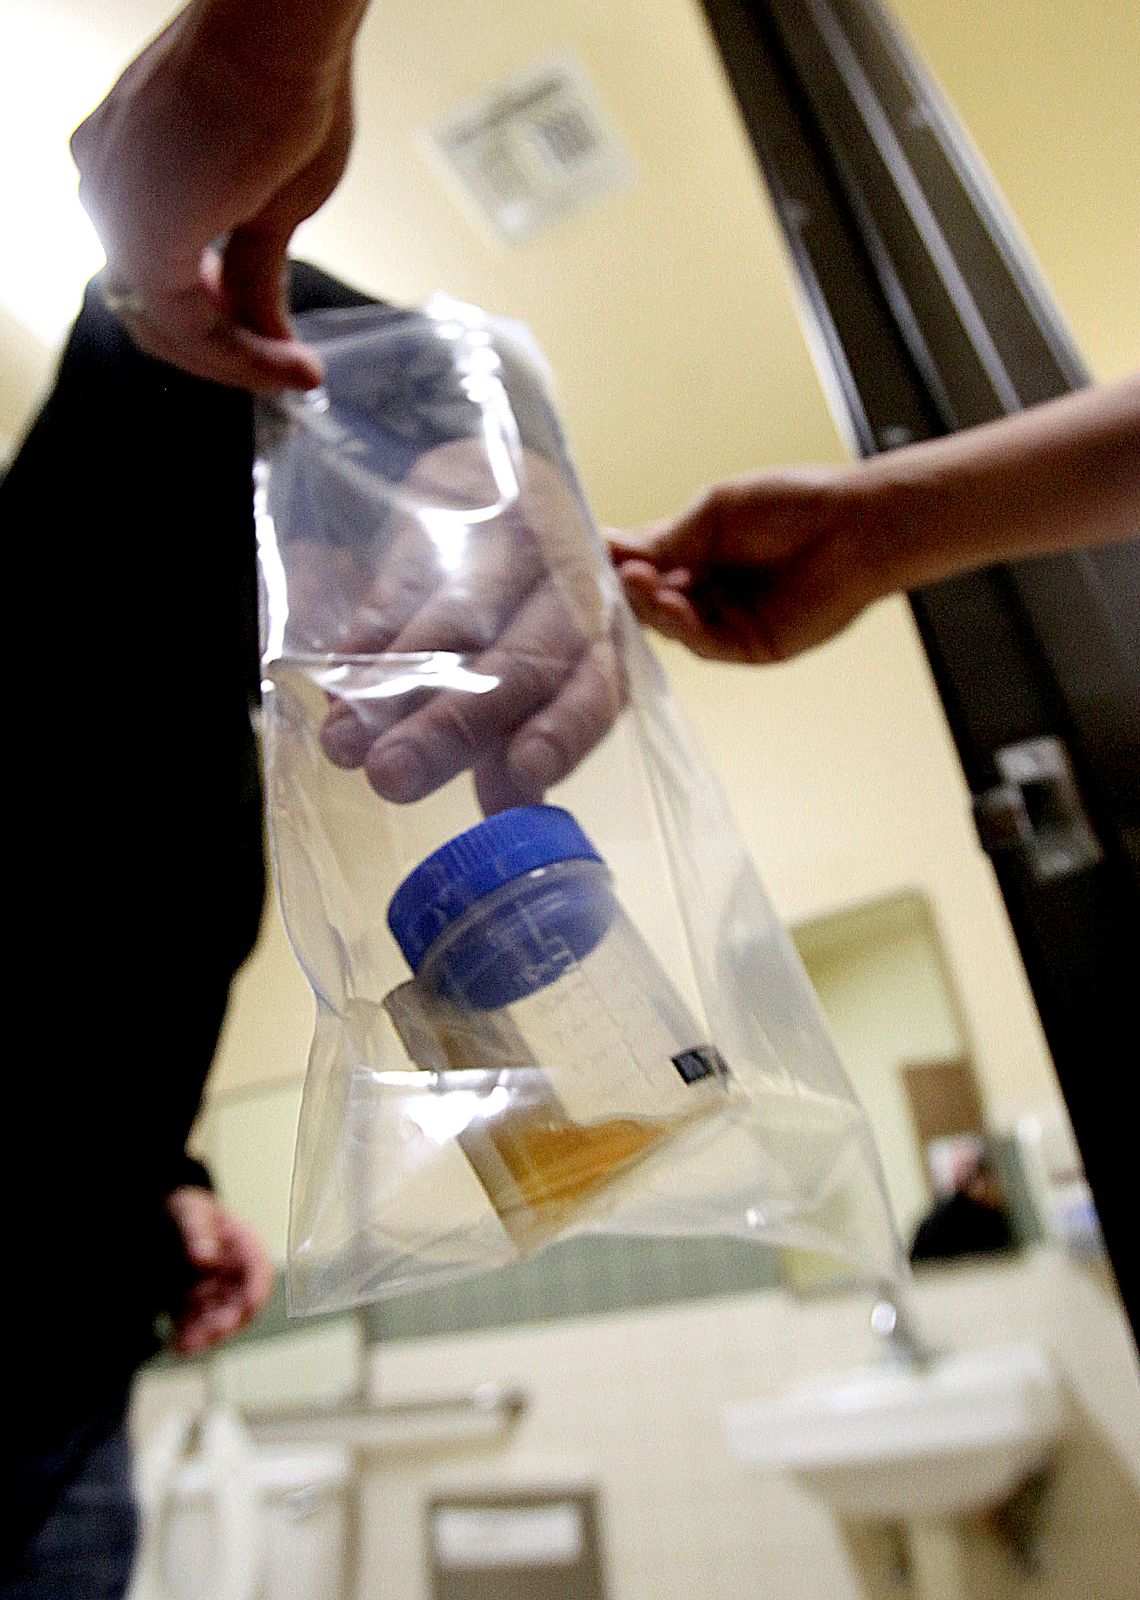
658, 543
651, 561
196, 1215
254, 281
686, 540
183, 318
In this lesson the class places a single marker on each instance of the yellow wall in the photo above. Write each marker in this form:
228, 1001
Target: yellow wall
24, 371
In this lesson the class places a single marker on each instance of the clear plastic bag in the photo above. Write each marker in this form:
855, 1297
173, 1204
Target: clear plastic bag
552, 996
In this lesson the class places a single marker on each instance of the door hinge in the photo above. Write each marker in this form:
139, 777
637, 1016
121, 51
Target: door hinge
1036, 812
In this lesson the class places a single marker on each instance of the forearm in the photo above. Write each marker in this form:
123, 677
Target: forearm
1060, 476
282, 37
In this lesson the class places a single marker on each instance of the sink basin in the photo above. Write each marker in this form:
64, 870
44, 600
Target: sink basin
901, 1443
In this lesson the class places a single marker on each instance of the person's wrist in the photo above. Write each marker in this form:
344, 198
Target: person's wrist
898, 511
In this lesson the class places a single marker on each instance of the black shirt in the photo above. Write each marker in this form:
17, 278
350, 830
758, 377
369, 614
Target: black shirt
959, 1226
127, 521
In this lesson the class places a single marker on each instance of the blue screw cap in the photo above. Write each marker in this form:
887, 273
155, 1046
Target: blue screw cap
476, 863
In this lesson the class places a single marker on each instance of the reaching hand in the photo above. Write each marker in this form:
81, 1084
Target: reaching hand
761, 568
196, 169
767, 566
233, 1276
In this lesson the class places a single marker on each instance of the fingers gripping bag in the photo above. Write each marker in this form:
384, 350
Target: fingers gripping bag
551, 994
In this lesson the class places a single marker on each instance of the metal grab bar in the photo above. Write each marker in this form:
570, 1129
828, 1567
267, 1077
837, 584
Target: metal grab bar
487, 1408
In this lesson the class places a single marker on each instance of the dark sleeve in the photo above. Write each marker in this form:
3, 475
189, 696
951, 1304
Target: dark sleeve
923, 1247
189, 1172
127, 518
134, 483
932, 1241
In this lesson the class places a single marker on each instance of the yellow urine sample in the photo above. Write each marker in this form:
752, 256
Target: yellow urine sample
537, 1164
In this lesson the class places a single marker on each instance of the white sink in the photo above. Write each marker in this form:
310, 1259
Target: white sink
901, 1443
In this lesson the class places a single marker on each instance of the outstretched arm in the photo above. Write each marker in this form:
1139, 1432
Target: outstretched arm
764, 567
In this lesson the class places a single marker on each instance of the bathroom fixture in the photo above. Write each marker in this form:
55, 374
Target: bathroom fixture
484, 1411
955, 1434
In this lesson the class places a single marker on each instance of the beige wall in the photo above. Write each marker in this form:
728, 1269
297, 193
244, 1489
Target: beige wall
270, 1020
24, 371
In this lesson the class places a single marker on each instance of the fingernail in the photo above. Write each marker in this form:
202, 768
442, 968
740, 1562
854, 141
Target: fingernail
398, 772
